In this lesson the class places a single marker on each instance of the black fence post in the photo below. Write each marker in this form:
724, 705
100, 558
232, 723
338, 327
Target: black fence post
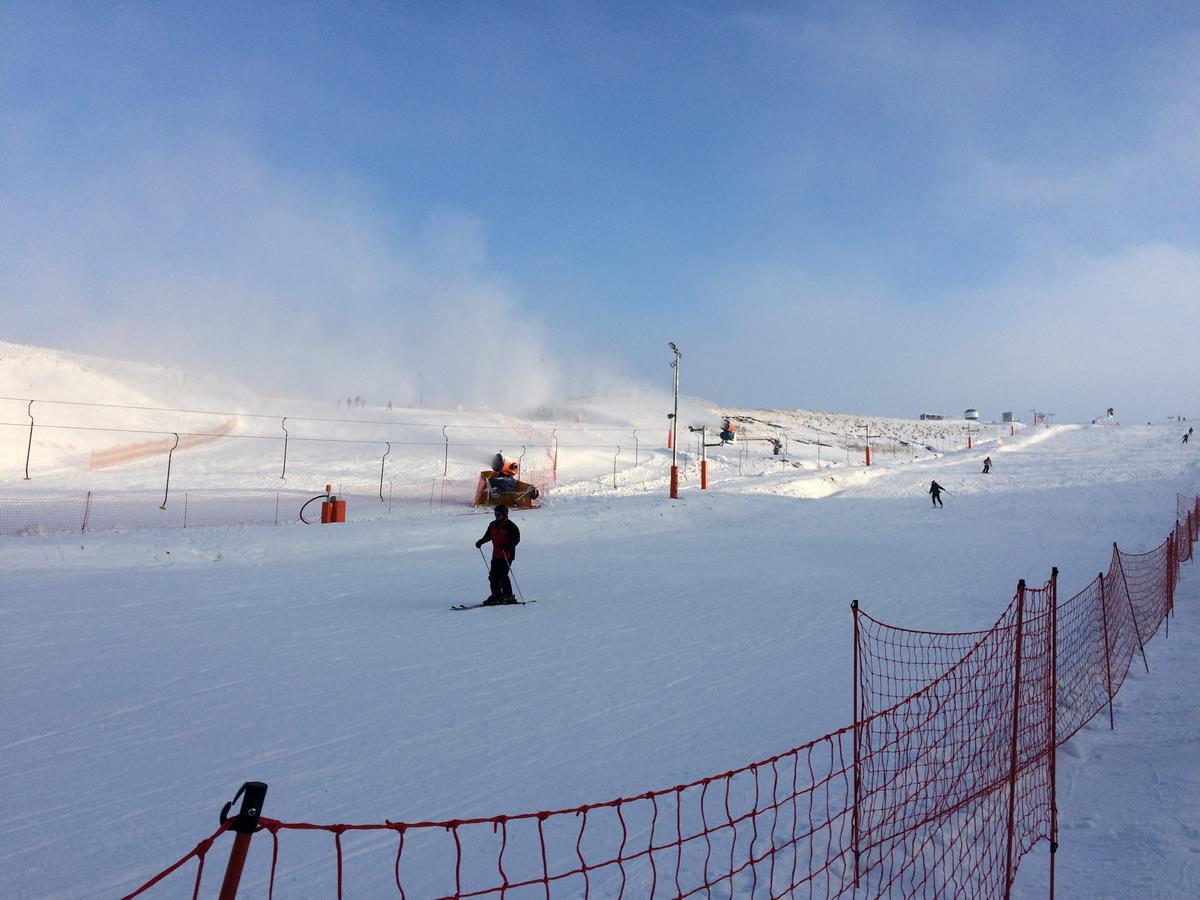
382, 464
29, 446
170, 453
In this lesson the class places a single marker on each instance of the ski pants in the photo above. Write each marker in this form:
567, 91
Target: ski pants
937, 499
498, 579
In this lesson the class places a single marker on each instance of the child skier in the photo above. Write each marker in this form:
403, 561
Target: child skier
504, 536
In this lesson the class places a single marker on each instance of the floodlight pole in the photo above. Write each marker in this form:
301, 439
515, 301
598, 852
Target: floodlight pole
675, 423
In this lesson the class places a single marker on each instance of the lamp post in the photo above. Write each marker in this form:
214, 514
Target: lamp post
675, 423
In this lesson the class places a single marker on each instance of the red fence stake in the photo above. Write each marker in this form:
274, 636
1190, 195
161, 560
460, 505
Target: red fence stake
1012, 772
252, 793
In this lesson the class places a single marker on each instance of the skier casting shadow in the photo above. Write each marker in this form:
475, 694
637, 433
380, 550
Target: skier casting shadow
935, 492
987, 465
504, 536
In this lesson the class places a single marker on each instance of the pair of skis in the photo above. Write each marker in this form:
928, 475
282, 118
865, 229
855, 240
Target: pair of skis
522, 602
462, 606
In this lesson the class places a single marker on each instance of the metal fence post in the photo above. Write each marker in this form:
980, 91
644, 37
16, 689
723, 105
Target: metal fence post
29, 446
283, 425
1052, 750
856, 822
1107, 662
1016, 725
382, 463
170, 454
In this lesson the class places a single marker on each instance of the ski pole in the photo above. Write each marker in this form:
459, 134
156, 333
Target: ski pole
514, 580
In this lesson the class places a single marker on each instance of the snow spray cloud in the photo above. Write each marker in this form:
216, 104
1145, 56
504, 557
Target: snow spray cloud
211, 260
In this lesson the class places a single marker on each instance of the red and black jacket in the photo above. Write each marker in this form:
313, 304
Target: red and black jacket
504, 535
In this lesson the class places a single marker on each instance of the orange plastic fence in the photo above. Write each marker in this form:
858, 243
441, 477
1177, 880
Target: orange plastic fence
939, 787
119, 456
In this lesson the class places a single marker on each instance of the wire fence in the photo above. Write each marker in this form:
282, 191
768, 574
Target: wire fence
97, 511
942, 783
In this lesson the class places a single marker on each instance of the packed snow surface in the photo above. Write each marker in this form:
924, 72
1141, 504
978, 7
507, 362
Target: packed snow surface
149, 672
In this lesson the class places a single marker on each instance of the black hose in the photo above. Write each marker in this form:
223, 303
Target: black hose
305, 506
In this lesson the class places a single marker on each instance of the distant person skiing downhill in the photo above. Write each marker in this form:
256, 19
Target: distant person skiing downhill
987, 464
504, 536
1187, 434
935, 492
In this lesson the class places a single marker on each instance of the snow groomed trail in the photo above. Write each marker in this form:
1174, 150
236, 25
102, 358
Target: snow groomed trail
150, 673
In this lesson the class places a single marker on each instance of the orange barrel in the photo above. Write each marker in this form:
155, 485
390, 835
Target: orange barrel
339, 511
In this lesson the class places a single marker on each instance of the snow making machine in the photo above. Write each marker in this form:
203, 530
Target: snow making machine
501, 485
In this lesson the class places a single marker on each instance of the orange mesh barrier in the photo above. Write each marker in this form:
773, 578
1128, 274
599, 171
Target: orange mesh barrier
119, 456
943, 782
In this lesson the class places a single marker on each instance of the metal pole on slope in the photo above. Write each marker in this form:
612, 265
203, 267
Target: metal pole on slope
1016, 721
1053, 735
1107, 664
675, 423
382, 464
856, 719
283, 425
170, 453
29, 446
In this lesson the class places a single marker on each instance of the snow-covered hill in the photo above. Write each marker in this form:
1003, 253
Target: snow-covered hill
149, 673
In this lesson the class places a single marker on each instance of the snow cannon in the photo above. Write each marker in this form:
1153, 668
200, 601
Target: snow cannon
495, 488
728, 431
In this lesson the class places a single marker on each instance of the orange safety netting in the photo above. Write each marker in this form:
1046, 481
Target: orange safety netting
939, 787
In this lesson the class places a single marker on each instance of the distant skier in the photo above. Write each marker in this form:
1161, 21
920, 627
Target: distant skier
987, 464
1187, 434
935, 492
504, 536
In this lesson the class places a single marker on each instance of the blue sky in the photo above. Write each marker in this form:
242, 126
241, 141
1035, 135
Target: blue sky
873, 208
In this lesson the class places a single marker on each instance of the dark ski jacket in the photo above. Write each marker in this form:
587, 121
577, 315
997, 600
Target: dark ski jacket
935, 488
505, 536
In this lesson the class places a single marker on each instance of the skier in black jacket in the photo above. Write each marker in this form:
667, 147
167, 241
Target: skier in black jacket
504, 536
935, 491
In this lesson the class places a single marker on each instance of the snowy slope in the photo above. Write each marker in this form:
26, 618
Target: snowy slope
148, 673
